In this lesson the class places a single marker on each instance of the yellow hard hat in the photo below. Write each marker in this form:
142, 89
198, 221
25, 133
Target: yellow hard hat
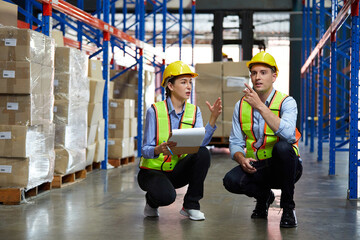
176, 69
265, 58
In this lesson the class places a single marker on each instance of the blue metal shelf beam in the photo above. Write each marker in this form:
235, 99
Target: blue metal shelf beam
330, 69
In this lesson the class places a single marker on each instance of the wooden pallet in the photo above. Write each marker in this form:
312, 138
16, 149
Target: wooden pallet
60, 181
93, 166
121, 161
13, 196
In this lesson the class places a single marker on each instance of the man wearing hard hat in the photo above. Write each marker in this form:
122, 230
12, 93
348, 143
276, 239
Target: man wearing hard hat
264, 141
161, 172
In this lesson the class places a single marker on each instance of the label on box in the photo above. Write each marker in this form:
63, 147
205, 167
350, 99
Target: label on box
116, 91
56, 82
10, 42
5, 169
8, 74
113, 104
236, 81
111, 142
5, 135
112, 126
93, 65
12, 106
55, 108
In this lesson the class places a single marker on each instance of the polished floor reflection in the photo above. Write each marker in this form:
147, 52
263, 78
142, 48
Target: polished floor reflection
109, 205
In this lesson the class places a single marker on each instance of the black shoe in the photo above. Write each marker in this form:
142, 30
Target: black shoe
261, 208
288, 218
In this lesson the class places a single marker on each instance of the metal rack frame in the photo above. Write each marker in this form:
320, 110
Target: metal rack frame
330, 70
99, 32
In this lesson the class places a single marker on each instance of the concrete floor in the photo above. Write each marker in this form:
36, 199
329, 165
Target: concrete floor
109, 205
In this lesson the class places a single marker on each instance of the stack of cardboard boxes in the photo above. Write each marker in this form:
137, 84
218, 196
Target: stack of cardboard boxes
225, 80
122, 128
96, 123
71, 87
26, 106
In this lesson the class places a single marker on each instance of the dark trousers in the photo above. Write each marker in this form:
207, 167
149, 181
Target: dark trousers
281, 171
160, 186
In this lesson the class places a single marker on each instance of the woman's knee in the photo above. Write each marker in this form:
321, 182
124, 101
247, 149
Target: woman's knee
163, 198
204, 156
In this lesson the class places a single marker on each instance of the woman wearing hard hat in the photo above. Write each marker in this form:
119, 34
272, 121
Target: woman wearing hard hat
160, 171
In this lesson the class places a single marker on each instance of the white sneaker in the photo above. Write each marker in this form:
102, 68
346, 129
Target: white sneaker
150, 212
193, 214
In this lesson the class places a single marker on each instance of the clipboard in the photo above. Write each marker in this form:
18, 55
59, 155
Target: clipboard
188, 140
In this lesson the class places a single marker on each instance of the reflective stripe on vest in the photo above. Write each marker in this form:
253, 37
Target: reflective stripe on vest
163, 129
246, 122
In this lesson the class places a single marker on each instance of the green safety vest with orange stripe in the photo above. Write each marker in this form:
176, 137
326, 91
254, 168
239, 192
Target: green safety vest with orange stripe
246, 123
163, 129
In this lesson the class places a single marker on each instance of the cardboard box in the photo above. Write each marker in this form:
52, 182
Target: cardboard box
26, 141
111, 90
95, 69
8, 14
118, 147
100, 134
234, 84
21, 77
210, 77
100, 151
70, 136
58, 37
133, 127
95, 113
131, 108
219, 132
128, 77
22, 45
231, 98
47, 80
72, 113
119, 108
211, 97
228, 113
119, 128
49, 57
71, 60
13, 141
14, 172
125, 91
69, 160
68, 87
96, 90
90, 154
22, 109
92, 131
238, 69
227, 129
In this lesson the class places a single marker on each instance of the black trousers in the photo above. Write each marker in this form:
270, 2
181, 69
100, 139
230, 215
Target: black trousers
160, 186
281, 171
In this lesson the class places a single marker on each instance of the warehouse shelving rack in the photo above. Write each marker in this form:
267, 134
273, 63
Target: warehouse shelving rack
330, 71
105, 36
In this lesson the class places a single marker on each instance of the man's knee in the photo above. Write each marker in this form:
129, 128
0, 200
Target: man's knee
231, 183
282, 148
204, 156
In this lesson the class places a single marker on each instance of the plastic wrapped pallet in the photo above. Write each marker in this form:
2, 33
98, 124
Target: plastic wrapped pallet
71, 88
37, 144
26, 141
69, 160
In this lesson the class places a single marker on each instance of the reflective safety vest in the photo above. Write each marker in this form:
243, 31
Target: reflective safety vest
246, 123
163, 129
